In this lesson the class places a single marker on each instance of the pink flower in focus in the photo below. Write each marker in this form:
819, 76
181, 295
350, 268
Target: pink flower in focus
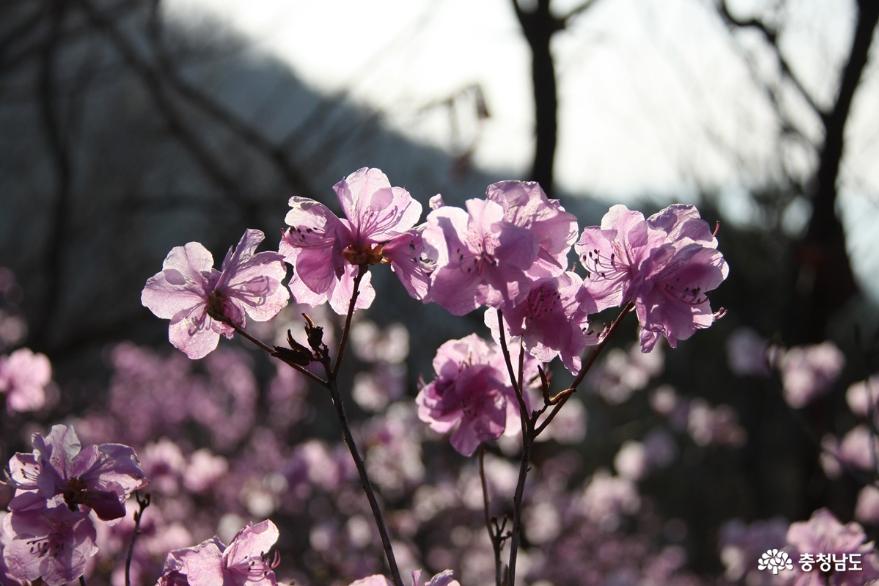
470, 397
99, 477
664, 265
202, 302
807, 372
52, 543
244, 562
552, 320
24, 376
481, 258
555, 230
325, 251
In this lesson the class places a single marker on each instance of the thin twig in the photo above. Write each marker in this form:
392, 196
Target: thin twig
493, 536
343, 341
142, 502
584, 368
527, 439
331, 374
273, 352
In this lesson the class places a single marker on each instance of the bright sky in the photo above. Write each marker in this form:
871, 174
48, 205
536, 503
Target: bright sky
651, 96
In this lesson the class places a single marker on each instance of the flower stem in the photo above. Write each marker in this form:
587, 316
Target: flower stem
588, 362
494, 532
142, 502
530, 428
332, 385
343, 340
527, 439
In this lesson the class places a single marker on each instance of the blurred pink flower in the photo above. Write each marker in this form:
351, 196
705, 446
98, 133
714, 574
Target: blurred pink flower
202, 302
470, 396
325, 251
807, 372
24, 376
742, 544
552, 320
52, 543
867, 507
823, 533
862, 397
244, 562
664, 265
99, 477
747, 353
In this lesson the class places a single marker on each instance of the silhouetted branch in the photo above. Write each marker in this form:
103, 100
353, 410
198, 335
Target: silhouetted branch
538, 26
771, 36
152, 81
56, 141
277, 154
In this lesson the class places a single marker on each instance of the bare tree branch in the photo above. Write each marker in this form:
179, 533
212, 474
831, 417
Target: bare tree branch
59, 152
771, 36
225, 116
153, 82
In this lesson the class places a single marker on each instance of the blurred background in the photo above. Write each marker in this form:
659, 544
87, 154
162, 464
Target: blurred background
131, 126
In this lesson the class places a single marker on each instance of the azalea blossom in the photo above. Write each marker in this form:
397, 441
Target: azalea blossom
203, 302
471, 397
24, 376
664, 265
555, 230
491, 253
53, 543
552, 320
244, 562
326, 251
99, 477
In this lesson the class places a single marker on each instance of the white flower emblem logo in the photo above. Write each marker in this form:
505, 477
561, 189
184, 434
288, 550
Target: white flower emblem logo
775, 560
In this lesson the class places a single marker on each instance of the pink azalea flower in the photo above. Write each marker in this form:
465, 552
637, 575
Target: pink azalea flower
326, 251
202, 302
552, 320
244, 562
807, 372
24, 376
471, 396
481, 259
664, 265
526, 206
99, 477
490, 253
52, 543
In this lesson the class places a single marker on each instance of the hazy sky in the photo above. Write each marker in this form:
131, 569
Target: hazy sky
653, 97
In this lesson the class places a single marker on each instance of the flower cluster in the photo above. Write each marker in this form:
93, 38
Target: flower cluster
57, 487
